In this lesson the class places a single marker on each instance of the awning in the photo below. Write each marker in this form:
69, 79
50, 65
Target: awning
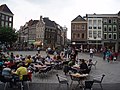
38, 43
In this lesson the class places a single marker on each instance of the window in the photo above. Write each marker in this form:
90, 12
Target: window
110, 36
105, 28
6, 24
114, 36
110, 21
83, 27
105, 20
90, 22
10, 18
2, 23
99, 27
90, 34
94, 27
6, 18
94, 24
114, 21
105, 36
94, 34
90, 27
119, 35
82, 35
74, 35
73, 26
3, 17
99, 22
99, 34
109, 28
114, 28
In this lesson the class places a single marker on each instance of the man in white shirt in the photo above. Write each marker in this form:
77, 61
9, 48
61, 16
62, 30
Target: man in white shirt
91, 52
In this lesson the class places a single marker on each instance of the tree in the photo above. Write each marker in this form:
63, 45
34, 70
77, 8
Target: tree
8, 35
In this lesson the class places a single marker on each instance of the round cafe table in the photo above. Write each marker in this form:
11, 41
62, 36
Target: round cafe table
79, 77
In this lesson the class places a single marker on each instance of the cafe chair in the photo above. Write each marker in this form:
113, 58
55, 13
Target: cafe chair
94, 64
6, 81
99, 80
25, 79
88, 85
74, 79
62, 79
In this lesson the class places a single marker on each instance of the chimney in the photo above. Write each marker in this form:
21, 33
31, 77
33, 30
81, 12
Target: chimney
40, 17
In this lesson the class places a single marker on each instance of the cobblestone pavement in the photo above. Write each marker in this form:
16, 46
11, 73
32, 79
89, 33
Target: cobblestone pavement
50, 82
111, 69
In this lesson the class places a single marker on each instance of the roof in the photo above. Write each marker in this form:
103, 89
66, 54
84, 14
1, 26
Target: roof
49, 22
5, 9
32, 22
78, 18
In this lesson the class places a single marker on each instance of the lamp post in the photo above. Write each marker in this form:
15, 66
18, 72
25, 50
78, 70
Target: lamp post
73, 43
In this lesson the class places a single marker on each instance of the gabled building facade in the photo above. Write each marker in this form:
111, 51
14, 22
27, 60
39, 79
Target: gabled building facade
6, 16
79, 32
44, 32
103, 30
94, 30
27, 33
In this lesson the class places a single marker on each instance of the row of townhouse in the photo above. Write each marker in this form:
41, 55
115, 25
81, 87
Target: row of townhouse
43, 32
96, 30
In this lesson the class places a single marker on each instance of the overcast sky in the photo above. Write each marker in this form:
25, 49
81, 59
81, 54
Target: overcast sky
60, 11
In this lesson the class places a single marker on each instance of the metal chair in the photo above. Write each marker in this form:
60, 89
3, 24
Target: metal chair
25, 79
88, 85
99, 80
62, 80
94, 64
5, 81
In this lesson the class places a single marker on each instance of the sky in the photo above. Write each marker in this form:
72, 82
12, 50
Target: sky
60, 11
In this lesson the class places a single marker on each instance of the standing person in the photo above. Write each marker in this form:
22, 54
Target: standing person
91, 52
104, 53
38, 49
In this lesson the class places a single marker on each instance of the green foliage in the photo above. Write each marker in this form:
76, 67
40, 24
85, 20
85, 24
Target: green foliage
7, 35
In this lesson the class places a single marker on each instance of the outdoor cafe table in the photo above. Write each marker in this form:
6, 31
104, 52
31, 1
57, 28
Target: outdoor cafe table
80, 77
40, 66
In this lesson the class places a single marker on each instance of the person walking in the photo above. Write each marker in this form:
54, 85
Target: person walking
38, 49
91, 52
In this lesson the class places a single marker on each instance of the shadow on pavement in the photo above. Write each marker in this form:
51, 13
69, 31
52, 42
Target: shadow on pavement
56, 86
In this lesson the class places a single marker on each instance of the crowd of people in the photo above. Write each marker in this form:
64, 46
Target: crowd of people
110, 55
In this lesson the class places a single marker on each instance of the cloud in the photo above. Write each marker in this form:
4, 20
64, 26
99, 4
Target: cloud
60, 11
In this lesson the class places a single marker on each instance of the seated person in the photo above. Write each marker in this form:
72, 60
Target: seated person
83, 66
90, 63
11, 64
1, 62
17, 58
28, 61
6, 72
21, 70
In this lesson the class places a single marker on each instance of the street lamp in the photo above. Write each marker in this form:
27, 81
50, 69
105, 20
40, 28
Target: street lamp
73, 43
